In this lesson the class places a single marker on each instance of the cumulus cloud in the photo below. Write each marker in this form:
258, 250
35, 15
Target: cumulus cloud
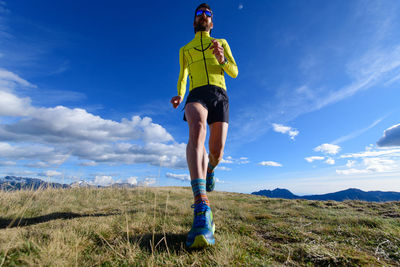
132, 180
285, 130
11, 105
328, 149
103, 180
270, 163
181, 177
313, 158
50, 135
39, 155
391, 137
372, 165
147, 182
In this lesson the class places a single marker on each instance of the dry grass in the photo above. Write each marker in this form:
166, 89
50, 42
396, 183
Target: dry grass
148, 226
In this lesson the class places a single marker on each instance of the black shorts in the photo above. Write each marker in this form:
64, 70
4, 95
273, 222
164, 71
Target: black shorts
214, 99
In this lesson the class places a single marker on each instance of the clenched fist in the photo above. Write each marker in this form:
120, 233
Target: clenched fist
176, 100
218, 51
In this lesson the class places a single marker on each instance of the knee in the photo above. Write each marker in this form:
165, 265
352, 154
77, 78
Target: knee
217, 152
197, 133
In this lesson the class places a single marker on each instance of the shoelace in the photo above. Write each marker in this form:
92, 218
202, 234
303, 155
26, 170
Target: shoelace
200, 214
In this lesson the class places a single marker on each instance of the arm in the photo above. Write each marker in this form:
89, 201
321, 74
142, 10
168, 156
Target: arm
230, 66
183, 73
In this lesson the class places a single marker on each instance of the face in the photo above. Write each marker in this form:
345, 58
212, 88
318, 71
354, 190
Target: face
202, 22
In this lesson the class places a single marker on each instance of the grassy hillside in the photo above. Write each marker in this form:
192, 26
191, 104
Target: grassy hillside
148, 226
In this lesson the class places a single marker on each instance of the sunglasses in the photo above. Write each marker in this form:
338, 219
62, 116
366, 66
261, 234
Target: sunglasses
200, 12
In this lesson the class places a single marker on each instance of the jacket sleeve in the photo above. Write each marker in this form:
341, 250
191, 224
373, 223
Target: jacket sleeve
230, 67
183, 73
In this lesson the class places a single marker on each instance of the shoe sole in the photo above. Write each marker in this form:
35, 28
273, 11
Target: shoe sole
200, 242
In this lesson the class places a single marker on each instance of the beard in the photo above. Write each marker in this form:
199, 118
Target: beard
202, 25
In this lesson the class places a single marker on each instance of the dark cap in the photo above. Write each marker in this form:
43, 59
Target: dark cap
204, 5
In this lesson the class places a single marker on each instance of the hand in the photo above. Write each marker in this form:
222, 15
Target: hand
176, 100
218, 51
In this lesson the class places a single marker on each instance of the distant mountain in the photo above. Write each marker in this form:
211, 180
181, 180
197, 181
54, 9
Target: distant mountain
276, 193
10, 183
348, 194
80, 183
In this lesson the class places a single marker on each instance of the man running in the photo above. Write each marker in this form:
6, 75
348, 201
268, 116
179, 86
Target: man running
205, 60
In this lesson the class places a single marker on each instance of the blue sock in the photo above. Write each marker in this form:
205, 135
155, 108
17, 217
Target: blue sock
199, 191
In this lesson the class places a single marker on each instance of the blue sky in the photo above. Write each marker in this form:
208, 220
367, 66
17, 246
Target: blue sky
85, 89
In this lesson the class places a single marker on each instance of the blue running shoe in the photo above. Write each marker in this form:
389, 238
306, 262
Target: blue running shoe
210, 181
202, 233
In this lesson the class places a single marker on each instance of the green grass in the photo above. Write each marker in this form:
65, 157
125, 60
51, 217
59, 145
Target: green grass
148, 227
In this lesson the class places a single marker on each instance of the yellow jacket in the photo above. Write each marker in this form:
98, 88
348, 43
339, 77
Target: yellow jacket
197, 60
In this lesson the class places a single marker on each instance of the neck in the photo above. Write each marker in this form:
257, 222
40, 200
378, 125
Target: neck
203, 33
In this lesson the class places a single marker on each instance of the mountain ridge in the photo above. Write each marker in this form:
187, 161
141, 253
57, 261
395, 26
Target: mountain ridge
347, 194
11, 183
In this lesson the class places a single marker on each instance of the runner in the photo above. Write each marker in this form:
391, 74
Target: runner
205, 60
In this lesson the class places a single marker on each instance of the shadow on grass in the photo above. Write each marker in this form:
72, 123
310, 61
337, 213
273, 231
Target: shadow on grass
174, 242
21, 222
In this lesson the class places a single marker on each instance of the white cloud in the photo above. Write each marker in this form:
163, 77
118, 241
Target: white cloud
11, 105
313, 158
372, 162
351, 171
240, 7
230, 160
51, 173
226, 161
219, 181
391, 137
270, 163
350, 163
132, 180
147, 182
244, 160
37, 154
51, 135
376, 62
356, 133
103, 180
181, 177
373, 153
330, 161
328, 149
8, 163
379, 164
88, 163
285, 130
9, 80
223, 168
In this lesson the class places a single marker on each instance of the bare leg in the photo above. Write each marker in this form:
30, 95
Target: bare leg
218, 133
205, 160
196, 116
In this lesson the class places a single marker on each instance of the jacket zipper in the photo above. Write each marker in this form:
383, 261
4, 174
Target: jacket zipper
204, 58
